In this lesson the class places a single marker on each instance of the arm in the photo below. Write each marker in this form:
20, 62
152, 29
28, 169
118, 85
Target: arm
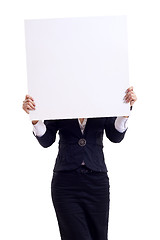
116, 128
111, 132
121, 124
46, 132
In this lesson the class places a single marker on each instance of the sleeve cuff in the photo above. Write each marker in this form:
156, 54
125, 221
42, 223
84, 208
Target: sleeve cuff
121, 124
39, 129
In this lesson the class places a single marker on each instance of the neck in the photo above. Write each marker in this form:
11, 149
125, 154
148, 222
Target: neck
81, 120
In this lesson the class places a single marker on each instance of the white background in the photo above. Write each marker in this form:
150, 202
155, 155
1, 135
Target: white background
26, 210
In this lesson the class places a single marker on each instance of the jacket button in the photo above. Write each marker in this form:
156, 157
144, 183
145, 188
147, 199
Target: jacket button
82, 142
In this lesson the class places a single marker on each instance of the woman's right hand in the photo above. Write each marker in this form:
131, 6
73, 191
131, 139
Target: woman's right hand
29, 104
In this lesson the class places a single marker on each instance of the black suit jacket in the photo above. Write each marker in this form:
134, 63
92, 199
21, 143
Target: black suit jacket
75, 147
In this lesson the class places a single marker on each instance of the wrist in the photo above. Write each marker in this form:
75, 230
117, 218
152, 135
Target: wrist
34, 122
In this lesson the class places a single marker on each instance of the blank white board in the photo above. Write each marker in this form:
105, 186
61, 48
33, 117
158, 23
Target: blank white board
77, 67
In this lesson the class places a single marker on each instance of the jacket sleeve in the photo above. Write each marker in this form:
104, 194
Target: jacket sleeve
49, 136
111, 132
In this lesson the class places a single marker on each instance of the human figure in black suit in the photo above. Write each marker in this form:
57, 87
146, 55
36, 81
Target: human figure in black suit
80, 187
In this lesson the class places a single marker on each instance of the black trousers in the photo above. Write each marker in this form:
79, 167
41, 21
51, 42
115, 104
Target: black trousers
81, 201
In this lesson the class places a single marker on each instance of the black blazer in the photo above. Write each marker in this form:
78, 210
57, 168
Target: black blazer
75, 147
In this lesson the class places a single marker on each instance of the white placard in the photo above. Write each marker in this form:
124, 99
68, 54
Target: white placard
77, 67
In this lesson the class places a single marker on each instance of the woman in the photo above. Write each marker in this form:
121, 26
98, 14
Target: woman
80, 183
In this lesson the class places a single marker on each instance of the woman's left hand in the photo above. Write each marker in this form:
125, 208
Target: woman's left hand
130, 96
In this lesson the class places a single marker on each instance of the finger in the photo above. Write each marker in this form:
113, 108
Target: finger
129, 94
129, 98
29, 97
129, 89
29, 108
135, 97
132, 102
26, 105
29, 101
25, 109
29, 104
132, 95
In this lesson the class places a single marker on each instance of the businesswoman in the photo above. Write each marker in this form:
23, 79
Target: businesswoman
80, 187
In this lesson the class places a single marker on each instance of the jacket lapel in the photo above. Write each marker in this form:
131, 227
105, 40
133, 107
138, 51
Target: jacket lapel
76, 123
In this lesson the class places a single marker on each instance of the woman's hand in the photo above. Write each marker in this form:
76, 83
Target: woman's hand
130, 97
28, 104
